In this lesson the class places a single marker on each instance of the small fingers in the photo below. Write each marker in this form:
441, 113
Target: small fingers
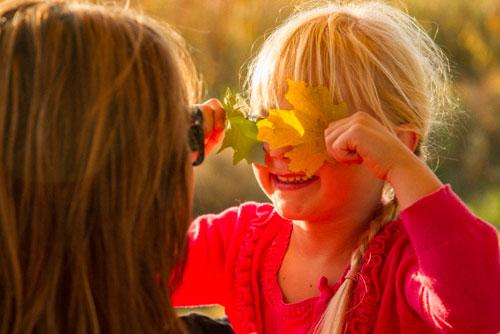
213, 123
219, 115
343, 150
213, 118
341, 136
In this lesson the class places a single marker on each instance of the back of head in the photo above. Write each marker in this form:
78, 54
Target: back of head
94, 170
371, 55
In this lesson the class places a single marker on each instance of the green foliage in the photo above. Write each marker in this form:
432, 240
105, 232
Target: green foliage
240, 133
486, 205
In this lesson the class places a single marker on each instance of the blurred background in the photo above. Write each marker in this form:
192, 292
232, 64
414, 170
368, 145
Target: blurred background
224, 34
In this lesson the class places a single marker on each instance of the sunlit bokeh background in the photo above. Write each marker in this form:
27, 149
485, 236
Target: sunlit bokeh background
224, 34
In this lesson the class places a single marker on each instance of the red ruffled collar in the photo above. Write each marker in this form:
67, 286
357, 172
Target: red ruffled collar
366, 296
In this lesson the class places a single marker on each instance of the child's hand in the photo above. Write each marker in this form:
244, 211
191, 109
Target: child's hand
213, 123
361, 139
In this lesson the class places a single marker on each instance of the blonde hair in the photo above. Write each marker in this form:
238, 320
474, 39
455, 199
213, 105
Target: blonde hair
94, 168
374, 57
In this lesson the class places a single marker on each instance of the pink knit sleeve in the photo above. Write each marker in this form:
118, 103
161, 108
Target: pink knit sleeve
455, 287
202, 278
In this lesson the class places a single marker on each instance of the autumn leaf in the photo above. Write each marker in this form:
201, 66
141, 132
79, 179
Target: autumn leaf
290, 131
302, 127
240, 133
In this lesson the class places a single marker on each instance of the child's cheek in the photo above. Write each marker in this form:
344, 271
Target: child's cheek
263, 178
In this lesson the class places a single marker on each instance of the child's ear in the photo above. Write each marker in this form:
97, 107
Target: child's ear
408, 134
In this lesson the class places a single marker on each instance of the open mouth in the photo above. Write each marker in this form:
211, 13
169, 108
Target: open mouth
292, 181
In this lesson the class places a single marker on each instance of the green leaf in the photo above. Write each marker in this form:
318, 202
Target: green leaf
240, 133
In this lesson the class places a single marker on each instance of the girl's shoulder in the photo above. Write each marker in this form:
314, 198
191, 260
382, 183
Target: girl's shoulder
442, 218
238, 220
434, 220
255, 213
245, 213
437, 224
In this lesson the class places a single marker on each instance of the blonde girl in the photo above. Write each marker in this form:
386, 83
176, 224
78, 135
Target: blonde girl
331, 254
95, 168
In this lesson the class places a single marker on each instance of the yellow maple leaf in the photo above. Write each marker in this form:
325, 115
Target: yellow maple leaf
289, 131
302, 127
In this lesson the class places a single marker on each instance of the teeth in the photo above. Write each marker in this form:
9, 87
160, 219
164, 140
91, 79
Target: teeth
293, 179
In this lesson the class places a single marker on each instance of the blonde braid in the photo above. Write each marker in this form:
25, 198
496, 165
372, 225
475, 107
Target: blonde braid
334, 318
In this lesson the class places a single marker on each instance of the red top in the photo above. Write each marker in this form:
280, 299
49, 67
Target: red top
436, 268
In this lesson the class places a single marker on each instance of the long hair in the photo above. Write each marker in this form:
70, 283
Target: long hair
374, 57
94, 168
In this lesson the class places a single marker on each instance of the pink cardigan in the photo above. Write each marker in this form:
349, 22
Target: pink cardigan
436, 269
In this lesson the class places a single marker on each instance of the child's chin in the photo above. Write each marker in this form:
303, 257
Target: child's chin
290, 212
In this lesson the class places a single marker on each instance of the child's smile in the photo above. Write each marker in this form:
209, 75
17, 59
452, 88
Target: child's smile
291, 181
332, 192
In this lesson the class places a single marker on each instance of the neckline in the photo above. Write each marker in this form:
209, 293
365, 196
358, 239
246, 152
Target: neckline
271, 288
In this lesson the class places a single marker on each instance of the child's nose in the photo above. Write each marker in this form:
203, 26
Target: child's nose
277, 154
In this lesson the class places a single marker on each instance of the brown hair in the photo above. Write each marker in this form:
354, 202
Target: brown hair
94, 168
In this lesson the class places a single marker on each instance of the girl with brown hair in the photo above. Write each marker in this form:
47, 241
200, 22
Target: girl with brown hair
95, 168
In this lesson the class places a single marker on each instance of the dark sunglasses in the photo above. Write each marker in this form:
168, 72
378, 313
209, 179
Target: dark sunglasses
196, 136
